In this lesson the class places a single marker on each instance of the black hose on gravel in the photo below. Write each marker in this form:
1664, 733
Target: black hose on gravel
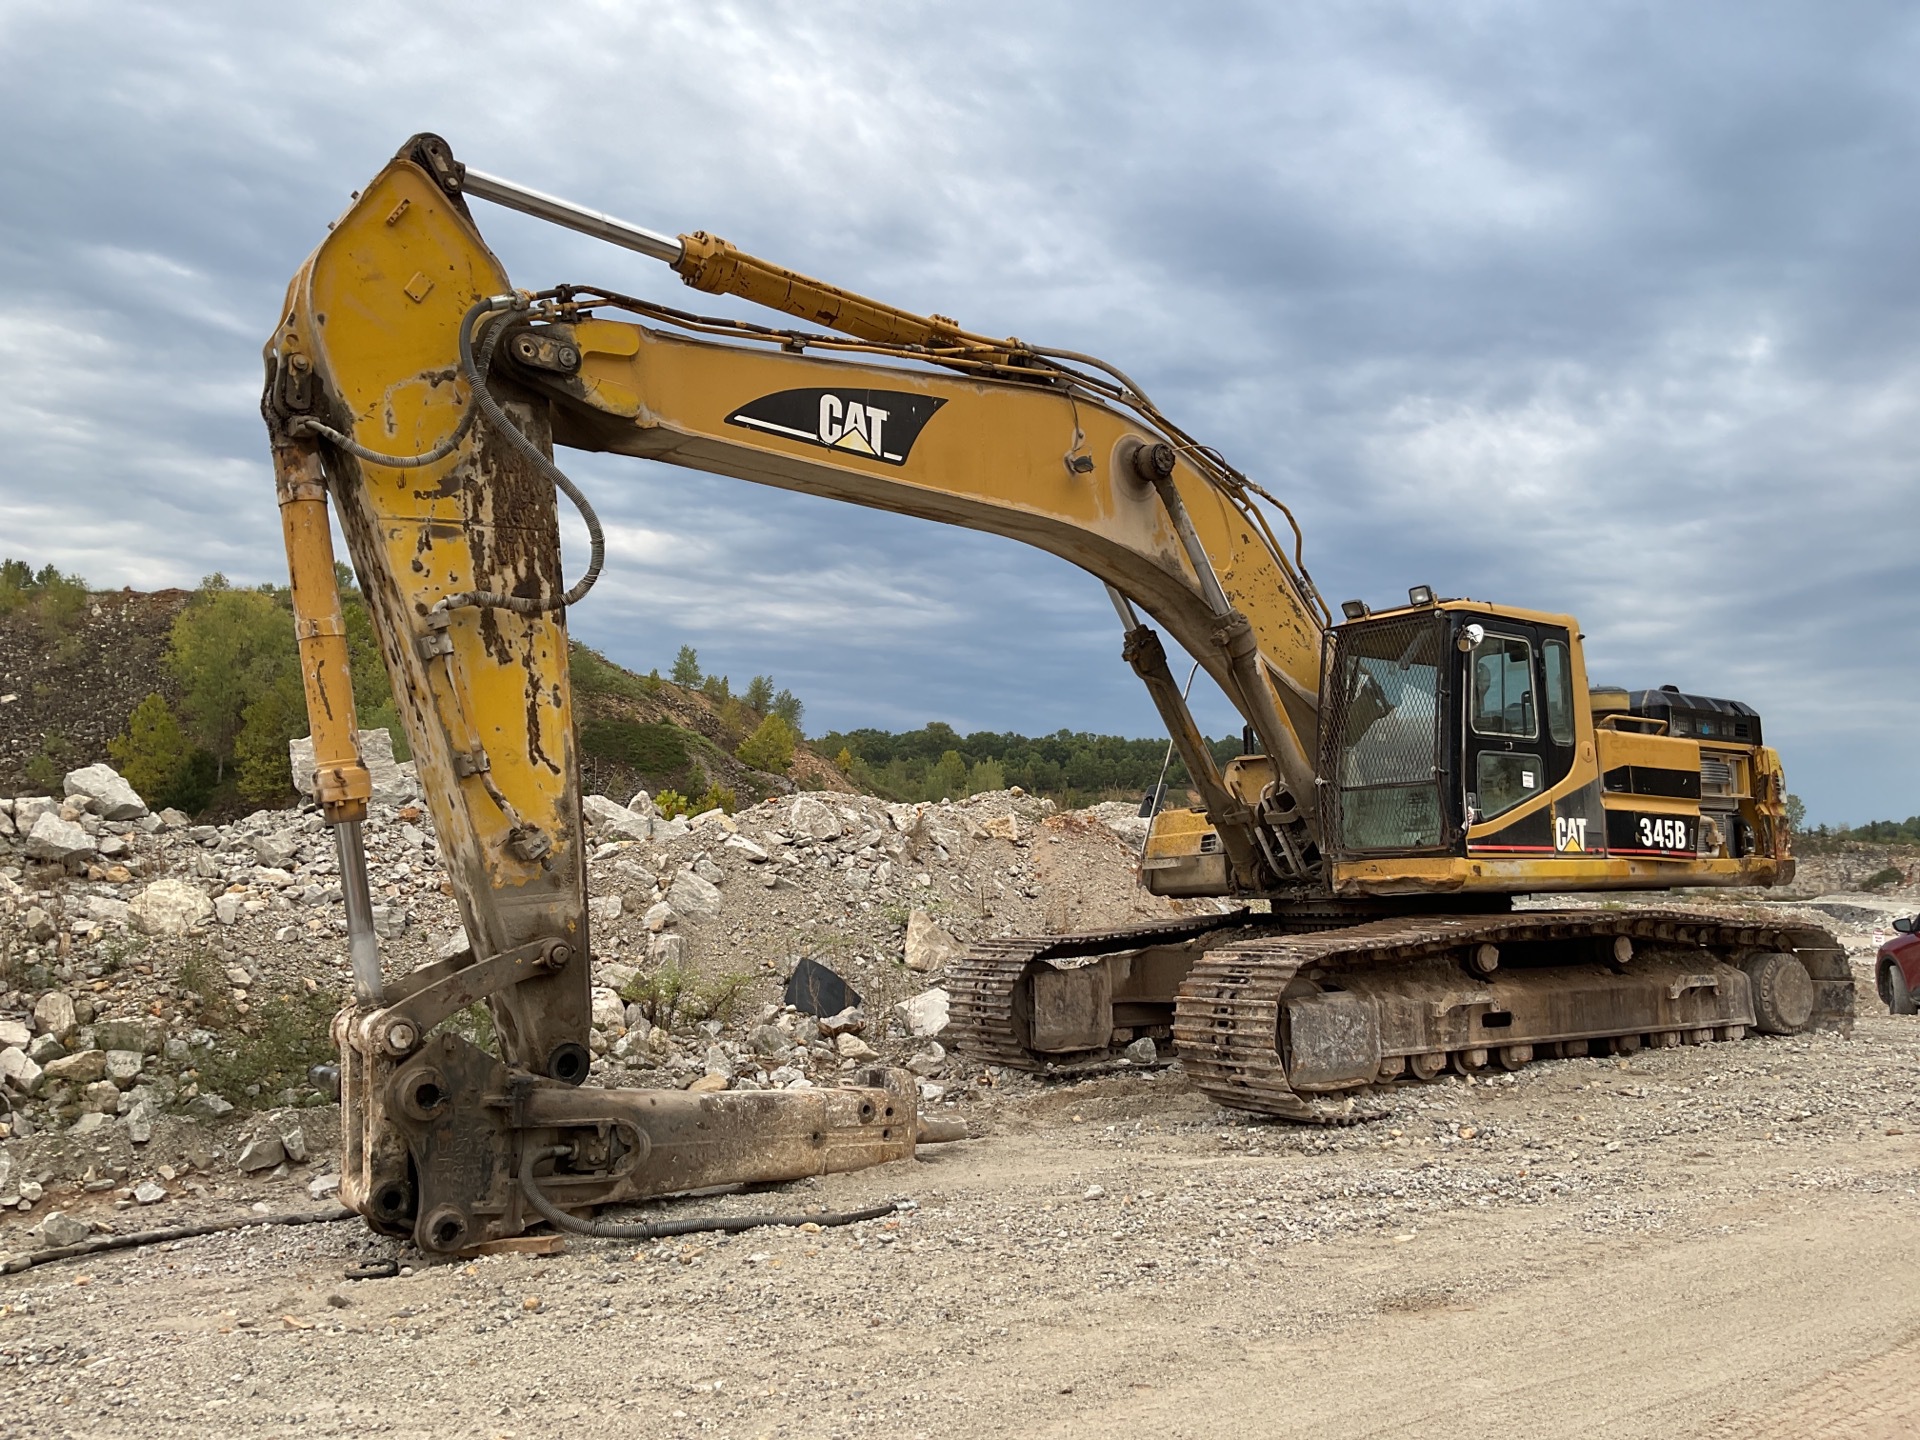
139, 1238
660, 1229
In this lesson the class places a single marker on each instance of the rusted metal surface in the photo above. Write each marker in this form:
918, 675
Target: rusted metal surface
446, 1125
1307, 1015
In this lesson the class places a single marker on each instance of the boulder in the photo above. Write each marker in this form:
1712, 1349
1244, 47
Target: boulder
60, 1229
170, 907
851, 1047
928, 1061
54, 1014
123, 1067
20, 1071
615, 819
812, 819
107, 910
1143, 1051
226, 908
691, 895
850, 1021
111, 796
642, 805
38, 925
392, 783
926, 1013
83, 1067
1001, 827
262, 1153
56, 840
128, 1033
605, 909
929, 948
29, 808
15, 1034
609, 1011
755, 854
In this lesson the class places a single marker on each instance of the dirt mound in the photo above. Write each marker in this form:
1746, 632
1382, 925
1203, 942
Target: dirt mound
63, 696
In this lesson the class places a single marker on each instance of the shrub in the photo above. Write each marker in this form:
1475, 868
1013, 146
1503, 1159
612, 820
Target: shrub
671, 803
770, 747
716, 797
152, 753
674, 995
1882, 879
270, 1050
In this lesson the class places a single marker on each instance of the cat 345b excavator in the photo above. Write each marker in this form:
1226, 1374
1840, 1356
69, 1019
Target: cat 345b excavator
1411, 771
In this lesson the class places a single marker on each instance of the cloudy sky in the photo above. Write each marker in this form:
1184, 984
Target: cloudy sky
1606, 308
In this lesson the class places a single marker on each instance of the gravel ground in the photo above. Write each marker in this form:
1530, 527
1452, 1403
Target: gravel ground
1116, 1251
1684, 1242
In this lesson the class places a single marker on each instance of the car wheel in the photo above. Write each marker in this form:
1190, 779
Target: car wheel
1900, 999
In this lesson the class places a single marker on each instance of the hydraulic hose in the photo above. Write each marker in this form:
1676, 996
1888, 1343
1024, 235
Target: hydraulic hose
474, 368
102, 1243
660, 1229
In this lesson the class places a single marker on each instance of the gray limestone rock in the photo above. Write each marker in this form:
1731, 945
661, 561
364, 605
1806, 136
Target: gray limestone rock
56, 840
111, 796
54, 1014
262, 1153
170, 907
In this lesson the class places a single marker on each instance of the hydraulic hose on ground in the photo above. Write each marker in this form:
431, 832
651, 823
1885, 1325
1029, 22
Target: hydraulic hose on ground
16, 1263
660, 1229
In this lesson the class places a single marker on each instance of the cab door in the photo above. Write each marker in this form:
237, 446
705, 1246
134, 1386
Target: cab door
1518, 731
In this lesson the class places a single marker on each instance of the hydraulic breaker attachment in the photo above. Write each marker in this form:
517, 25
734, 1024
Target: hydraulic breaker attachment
435, 1130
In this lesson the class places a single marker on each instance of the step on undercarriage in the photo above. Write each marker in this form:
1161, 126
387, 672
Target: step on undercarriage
1308, 1015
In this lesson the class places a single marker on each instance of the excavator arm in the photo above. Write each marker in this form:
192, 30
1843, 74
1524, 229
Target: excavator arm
410, 386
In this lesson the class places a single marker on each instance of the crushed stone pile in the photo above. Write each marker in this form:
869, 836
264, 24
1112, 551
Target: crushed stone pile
135, 946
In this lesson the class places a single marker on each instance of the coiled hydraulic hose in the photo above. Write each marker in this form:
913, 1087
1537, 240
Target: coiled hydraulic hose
660, 1229
481, 401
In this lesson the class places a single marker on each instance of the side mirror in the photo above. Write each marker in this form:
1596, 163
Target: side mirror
1905, 924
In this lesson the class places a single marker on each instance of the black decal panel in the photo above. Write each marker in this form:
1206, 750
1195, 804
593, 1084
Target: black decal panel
1630, 833
1654, 780
874, 424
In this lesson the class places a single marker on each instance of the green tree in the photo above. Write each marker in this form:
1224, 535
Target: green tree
759, 696
948, 779
228, 649
153, 751
261, 770
986, 775
770, 747
716, 689
788, 707
686, 667
1796, 814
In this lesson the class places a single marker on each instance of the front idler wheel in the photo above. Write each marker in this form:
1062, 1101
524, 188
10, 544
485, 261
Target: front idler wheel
1782, 993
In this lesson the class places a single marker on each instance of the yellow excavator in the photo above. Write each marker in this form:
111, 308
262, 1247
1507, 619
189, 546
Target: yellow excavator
1408, 771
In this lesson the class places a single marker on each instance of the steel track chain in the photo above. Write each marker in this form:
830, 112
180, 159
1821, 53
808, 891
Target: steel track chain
1226, 1019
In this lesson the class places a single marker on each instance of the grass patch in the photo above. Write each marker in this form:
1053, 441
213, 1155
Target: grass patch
651, 749
591, 673
674, 995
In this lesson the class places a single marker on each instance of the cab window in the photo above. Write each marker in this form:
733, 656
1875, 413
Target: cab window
1559, 691
1503, 702
1505, 780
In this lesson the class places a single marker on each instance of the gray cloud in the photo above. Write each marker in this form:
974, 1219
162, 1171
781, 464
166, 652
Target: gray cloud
1607, 309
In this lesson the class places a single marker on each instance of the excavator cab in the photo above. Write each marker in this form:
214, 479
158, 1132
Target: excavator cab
1465, 735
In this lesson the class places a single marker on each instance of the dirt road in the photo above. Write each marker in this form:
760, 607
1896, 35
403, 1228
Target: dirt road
1701, 1242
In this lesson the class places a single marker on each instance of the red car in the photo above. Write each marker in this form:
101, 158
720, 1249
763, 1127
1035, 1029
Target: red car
1897, 972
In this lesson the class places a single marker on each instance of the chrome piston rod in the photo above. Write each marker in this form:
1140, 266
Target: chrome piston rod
363, 946
574, 217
